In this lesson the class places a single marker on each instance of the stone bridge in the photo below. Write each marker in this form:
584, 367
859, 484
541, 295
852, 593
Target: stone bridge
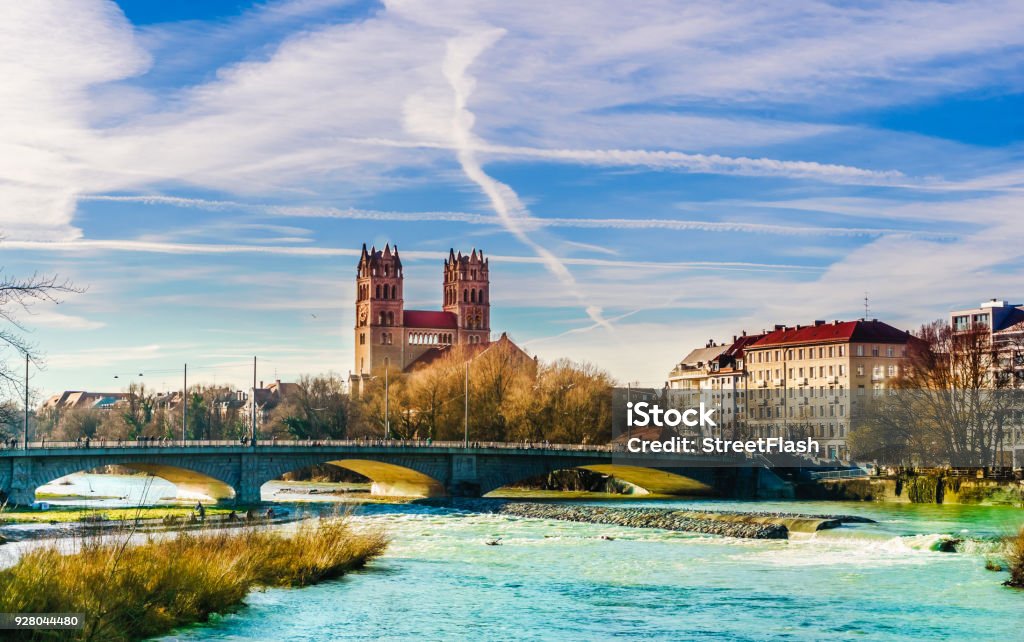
228, 470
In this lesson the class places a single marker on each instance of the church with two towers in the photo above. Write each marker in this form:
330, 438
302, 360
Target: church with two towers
389, 335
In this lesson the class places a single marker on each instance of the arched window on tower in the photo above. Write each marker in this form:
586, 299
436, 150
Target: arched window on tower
481, 297
472, 296
394, 291
465, 296
378, 291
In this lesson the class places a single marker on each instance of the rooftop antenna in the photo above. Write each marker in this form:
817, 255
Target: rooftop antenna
867, 307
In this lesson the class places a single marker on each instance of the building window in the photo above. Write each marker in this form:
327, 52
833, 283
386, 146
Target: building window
890, 352
860, 351
874, 351
842, 370
842, 351
362, 338
892, 371
961, 323
831, 351
860, 371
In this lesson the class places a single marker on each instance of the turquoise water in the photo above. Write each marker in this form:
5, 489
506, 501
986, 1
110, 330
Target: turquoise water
553, 580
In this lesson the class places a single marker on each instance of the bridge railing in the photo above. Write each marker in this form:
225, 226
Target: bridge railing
847, 473
157, 444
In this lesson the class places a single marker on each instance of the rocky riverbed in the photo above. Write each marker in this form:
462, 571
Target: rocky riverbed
760, 525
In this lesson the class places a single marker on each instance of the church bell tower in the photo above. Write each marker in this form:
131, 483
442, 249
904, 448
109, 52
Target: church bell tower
379, 310
467, 294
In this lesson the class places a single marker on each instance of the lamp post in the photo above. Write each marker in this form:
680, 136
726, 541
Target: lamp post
26, 401
184, 405
387, 405
465, 418
253, 402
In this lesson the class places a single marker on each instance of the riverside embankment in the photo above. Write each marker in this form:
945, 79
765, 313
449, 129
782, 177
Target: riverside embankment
918, 489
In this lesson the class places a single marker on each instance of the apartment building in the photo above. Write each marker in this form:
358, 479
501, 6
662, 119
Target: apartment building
805, 381
1004, 324
716, 375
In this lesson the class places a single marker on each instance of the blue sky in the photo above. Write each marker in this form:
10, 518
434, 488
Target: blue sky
643, 179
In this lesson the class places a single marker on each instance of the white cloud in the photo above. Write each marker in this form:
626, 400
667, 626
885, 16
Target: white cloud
52, 319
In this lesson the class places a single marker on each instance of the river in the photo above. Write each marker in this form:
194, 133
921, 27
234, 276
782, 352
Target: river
553, 580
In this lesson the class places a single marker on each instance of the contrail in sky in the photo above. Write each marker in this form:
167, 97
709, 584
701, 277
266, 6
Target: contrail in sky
460, 53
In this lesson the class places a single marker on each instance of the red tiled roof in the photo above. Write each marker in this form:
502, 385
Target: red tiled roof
430, 319
856, 331
741, 344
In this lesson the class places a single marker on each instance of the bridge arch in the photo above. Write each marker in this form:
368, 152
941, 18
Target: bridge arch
392, 479
389, 475
200, 479
687, 483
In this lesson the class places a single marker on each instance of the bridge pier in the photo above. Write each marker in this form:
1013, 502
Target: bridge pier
247, 491
16, 481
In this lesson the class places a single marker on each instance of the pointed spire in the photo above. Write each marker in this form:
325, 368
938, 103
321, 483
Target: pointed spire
472, 258
387, 250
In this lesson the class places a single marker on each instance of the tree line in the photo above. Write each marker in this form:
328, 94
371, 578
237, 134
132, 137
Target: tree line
511, 397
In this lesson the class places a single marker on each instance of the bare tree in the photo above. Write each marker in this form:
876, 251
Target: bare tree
17, 296
950, 404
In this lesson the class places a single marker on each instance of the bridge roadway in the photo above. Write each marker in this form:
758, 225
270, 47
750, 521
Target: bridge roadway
225, 470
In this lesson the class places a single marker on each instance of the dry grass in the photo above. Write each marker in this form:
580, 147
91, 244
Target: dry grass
134, 591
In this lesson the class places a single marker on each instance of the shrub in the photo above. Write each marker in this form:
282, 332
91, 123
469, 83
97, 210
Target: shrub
1015, 556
